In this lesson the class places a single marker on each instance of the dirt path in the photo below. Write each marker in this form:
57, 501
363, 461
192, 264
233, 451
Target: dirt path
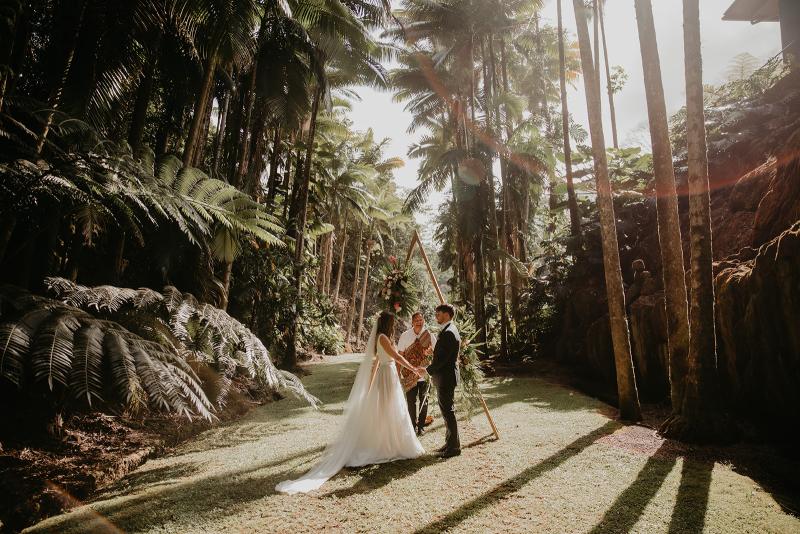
562, 465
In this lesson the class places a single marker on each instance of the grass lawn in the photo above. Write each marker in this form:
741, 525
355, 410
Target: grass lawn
562, 465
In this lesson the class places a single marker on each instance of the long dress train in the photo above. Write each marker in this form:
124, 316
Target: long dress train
376, 426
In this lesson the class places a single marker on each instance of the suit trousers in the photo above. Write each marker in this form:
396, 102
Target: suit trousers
446, 389
419, 391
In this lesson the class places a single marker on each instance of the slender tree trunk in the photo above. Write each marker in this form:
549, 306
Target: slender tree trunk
140, 111
572, 200
291, 352
626, 380
219, 141
119, 256
55, 95
510, 225
329, 266
669, 232
610, 90
202, 136
12, 16
247, 123
143, 95
193, 138
493, 226
323, 265
226, 285
596, 47
272, 181
19, 51
700, 416
480, 264
341, 261
351, 309
9, 222
365, 284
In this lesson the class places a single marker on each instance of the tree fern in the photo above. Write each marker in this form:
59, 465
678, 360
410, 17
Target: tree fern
201, 331
70, 350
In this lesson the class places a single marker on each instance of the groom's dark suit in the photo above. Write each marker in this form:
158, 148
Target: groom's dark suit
443, 371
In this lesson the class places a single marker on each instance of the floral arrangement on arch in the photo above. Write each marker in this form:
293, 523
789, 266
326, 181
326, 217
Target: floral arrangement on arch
397, 292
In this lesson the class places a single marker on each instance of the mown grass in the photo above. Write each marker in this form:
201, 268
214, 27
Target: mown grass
562, 465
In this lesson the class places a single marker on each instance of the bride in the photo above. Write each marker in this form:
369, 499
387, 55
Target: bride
376, 426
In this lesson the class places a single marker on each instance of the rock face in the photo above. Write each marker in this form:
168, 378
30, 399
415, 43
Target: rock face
755, 198
758, 331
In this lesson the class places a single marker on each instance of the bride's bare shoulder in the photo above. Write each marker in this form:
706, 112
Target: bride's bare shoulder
384, 340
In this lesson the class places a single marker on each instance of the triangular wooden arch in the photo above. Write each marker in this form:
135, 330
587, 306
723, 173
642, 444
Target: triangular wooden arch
417, 242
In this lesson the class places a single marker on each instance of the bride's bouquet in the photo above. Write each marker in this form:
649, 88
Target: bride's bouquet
397, 292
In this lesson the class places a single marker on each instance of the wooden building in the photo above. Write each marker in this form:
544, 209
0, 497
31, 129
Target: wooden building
787, 12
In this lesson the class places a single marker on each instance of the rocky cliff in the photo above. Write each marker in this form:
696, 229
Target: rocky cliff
755, 180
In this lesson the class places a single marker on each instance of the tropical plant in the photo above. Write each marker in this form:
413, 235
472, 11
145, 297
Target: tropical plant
669, 233
199, 331
626, 380
79, 358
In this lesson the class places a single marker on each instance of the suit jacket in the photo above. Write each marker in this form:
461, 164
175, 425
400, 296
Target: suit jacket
445, 356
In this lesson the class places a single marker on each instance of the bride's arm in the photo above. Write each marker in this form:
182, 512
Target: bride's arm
390, 350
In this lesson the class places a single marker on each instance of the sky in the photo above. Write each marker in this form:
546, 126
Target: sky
722, 41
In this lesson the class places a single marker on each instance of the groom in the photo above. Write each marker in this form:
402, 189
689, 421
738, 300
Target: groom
444, 372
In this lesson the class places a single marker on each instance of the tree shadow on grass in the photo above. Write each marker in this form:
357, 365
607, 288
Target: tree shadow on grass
688, 515
514, 484
630, 504
374, 477
159, 476
221, 494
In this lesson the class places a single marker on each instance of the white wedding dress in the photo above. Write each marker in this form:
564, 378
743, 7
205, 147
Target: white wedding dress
376, 426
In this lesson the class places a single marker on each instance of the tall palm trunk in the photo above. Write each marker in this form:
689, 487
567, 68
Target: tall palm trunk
200, 105
325, 250
226, 285
274, 158
143, 95
572, 200
669, 232
341, 262
16, 51
220, 139
626, 380
611, 109
699, 417
351, 308
365, 284
291, 349
478, 241
494, 232
55, 94
510, 224
248, 127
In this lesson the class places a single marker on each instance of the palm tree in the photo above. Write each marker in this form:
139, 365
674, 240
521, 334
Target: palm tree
228, 31
626, 380
609, 85
669, 232
699, 417
574, 213
342, 43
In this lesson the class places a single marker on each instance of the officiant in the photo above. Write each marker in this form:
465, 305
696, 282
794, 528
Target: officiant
419, 392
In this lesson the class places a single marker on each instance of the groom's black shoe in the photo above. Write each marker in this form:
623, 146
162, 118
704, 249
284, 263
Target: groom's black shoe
440, 449
449, 453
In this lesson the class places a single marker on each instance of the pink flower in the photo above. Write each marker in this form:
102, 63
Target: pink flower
397, 306
393, 260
